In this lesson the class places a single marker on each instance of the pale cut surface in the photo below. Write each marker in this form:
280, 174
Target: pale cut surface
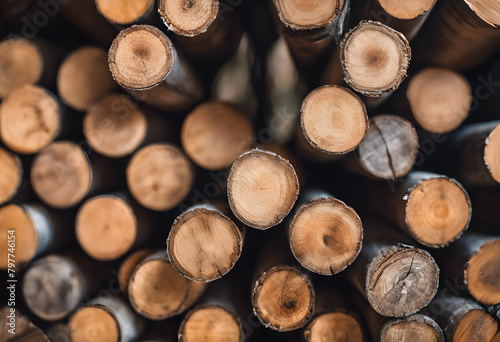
410, 331
374, 58
106, 227
115, 126
123, 12
308, 14
211, 324
402, 282
440, 99
333, 119
10, 177
93, 324
492, 153
159, 176
188, 18
262, 188
482, 274
61, 175
84, 77
488, 10
157, 291
334, 327
128, 267
326, 235
20, 63
30, 118
437, 211
215, 134
203, 244
283, 299
14, 217
476, 325
406, 9
140, 57
390, 147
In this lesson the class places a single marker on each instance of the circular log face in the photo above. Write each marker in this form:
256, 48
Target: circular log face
406, 10
476, 325
334, 326
12, 172
93, 324
482, 274
306, 15
123, 12
188, 18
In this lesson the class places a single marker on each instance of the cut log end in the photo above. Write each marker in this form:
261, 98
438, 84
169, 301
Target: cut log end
401, 281
326, 235
437, 211
283, 299
61, 174
12, 172
418, 328
128, 266
20, 63
406, 10
262, 188
90, 323
482, 274
122, 12
214, 134
14, 217
159, 176
491, 153
210, 323
476, 325
30, 118
488, 10
140, 57
114, 126
307, 15
390, 147
106, 227
440, 99
188, 17
333, 119
203, 244
374, 58
334, 326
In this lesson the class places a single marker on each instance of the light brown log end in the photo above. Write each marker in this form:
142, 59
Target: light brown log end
333, 119
283, 298
128, 267
12, 172
307, 15
406, 10
262, 188
476, 325
334, 327
487, 10
188, 17
482, 273
325, 236
159, 176
491, 153
417, 328
93, 323
30, 118
214, 134
124, 12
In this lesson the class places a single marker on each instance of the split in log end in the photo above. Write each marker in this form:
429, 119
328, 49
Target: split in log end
188, 17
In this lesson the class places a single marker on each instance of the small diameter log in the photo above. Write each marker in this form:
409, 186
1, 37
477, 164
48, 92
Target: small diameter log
84, 77
477, 148
107, 318
283, 298
128, 266
262, 188
143, 60
416, 328
125, 12
159, 176
439, 98
462, 319
204, 244
473, 260
325, 234
374, 58
25, 330
214, 134
333, 119
30, 119
405, 17
390, 147
11, 175
157, 291
188, 19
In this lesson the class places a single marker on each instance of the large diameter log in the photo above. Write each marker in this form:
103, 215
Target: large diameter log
157, 291
125, 12
11, 175
325, 234
262, 188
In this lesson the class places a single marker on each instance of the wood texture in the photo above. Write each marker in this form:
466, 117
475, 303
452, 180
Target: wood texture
127, 267
125, 12
12, 175
188, 19
416, 327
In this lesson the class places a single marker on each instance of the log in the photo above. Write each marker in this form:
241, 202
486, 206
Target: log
472, 261
204, 244
143, 60
390, 147
440, 99
125, 12
157, 291
214, 134
333, 119
84, 77
128, 266
159, 176
262, 188
325, 234
107, 318
416, 327
11, 176
188, 19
